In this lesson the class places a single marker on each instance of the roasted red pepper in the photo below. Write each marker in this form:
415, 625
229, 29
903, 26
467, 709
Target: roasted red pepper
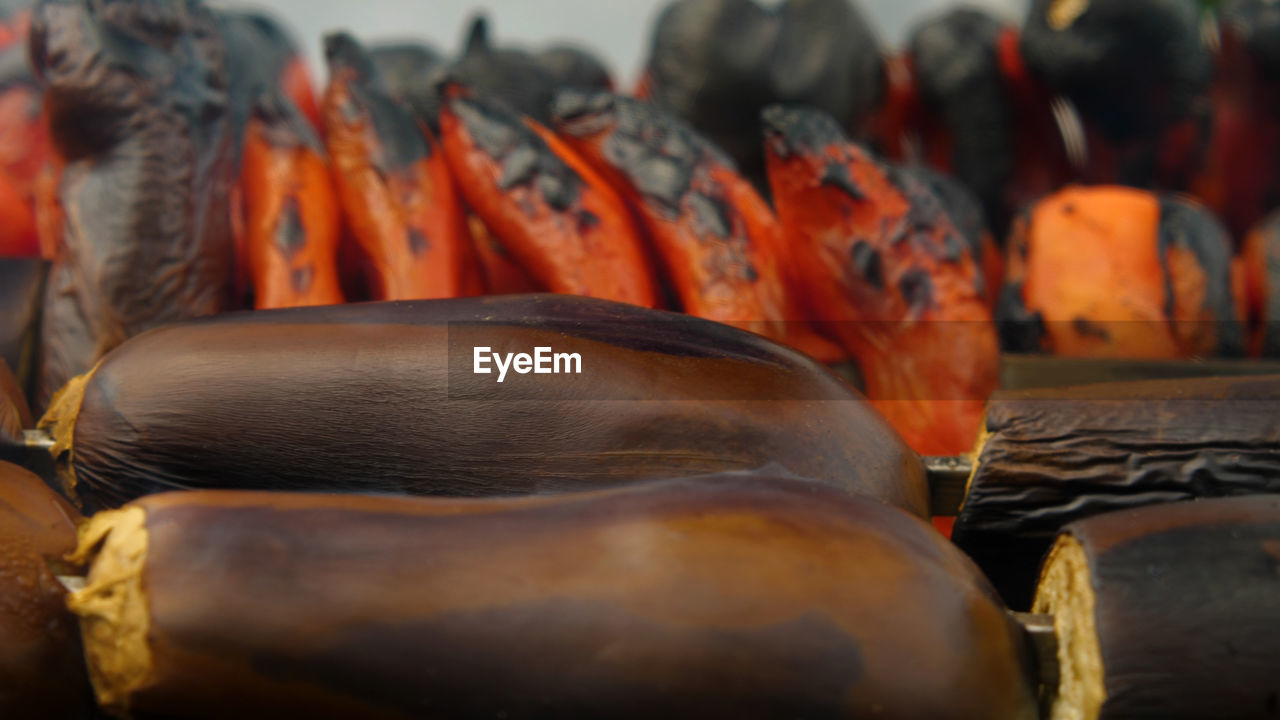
561, 222
292, 220
502, 276
25, 146
719, 243
891, 276
1117, 272
399, 199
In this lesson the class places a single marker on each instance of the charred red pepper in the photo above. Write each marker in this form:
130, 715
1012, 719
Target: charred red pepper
136, 94
25, 146
292, 220
1117, 272
719, 243
891, 276
399, 199
563, 223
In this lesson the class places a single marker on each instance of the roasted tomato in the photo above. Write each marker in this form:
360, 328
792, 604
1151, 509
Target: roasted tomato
1117, 272
890, 275
399, 199
718, 241
555, 215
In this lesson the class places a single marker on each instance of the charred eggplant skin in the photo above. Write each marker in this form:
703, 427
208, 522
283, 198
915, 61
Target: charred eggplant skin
137, 99
42, 672
1057, 455
383, 397
1186, 597
737, 595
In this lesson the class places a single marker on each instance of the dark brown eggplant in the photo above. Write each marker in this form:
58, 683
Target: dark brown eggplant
42, 673
727, 596
22, 283
1168, 612
136, 93
382, 397
1052, 456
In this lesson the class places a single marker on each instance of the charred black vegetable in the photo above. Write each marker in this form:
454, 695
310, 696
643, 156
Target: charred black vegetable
1048, 457
719, 63
136, 94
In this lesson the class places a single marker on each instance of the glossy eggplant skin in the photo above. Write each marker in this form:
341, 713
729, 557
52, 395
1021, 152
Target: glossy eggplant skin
382, 397
1185, 608
42, 673
1052, 456
22, 282
735, 595
136, 94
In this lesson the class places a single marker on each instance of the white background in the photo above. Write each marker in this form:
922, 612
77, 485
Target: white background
616, 30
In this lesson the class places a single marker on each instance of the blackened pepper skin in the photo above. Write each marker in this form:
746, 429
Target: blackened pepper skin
549, 209
889, 272
718, 241
718, 63
136, 94
398, 196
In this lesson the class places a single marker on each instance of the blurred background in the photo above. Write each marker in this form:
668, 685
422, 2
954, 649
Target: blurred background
617, 30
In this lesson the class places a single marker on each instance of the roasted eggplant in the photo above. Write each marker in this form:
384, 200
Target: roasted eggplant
42, 670
389, 397
888, 274
728, 596
136, 94
1168, 612
1122, 273
1048, 457
552, 212
397, 194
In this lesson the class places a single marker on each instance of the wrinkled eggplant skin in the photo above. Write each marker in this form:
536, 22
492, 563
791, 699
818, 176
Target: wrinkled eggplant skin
1186, 608
1061, 454
42, 673
22, 282
138, 105
381, 397
736, 595
718, 63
